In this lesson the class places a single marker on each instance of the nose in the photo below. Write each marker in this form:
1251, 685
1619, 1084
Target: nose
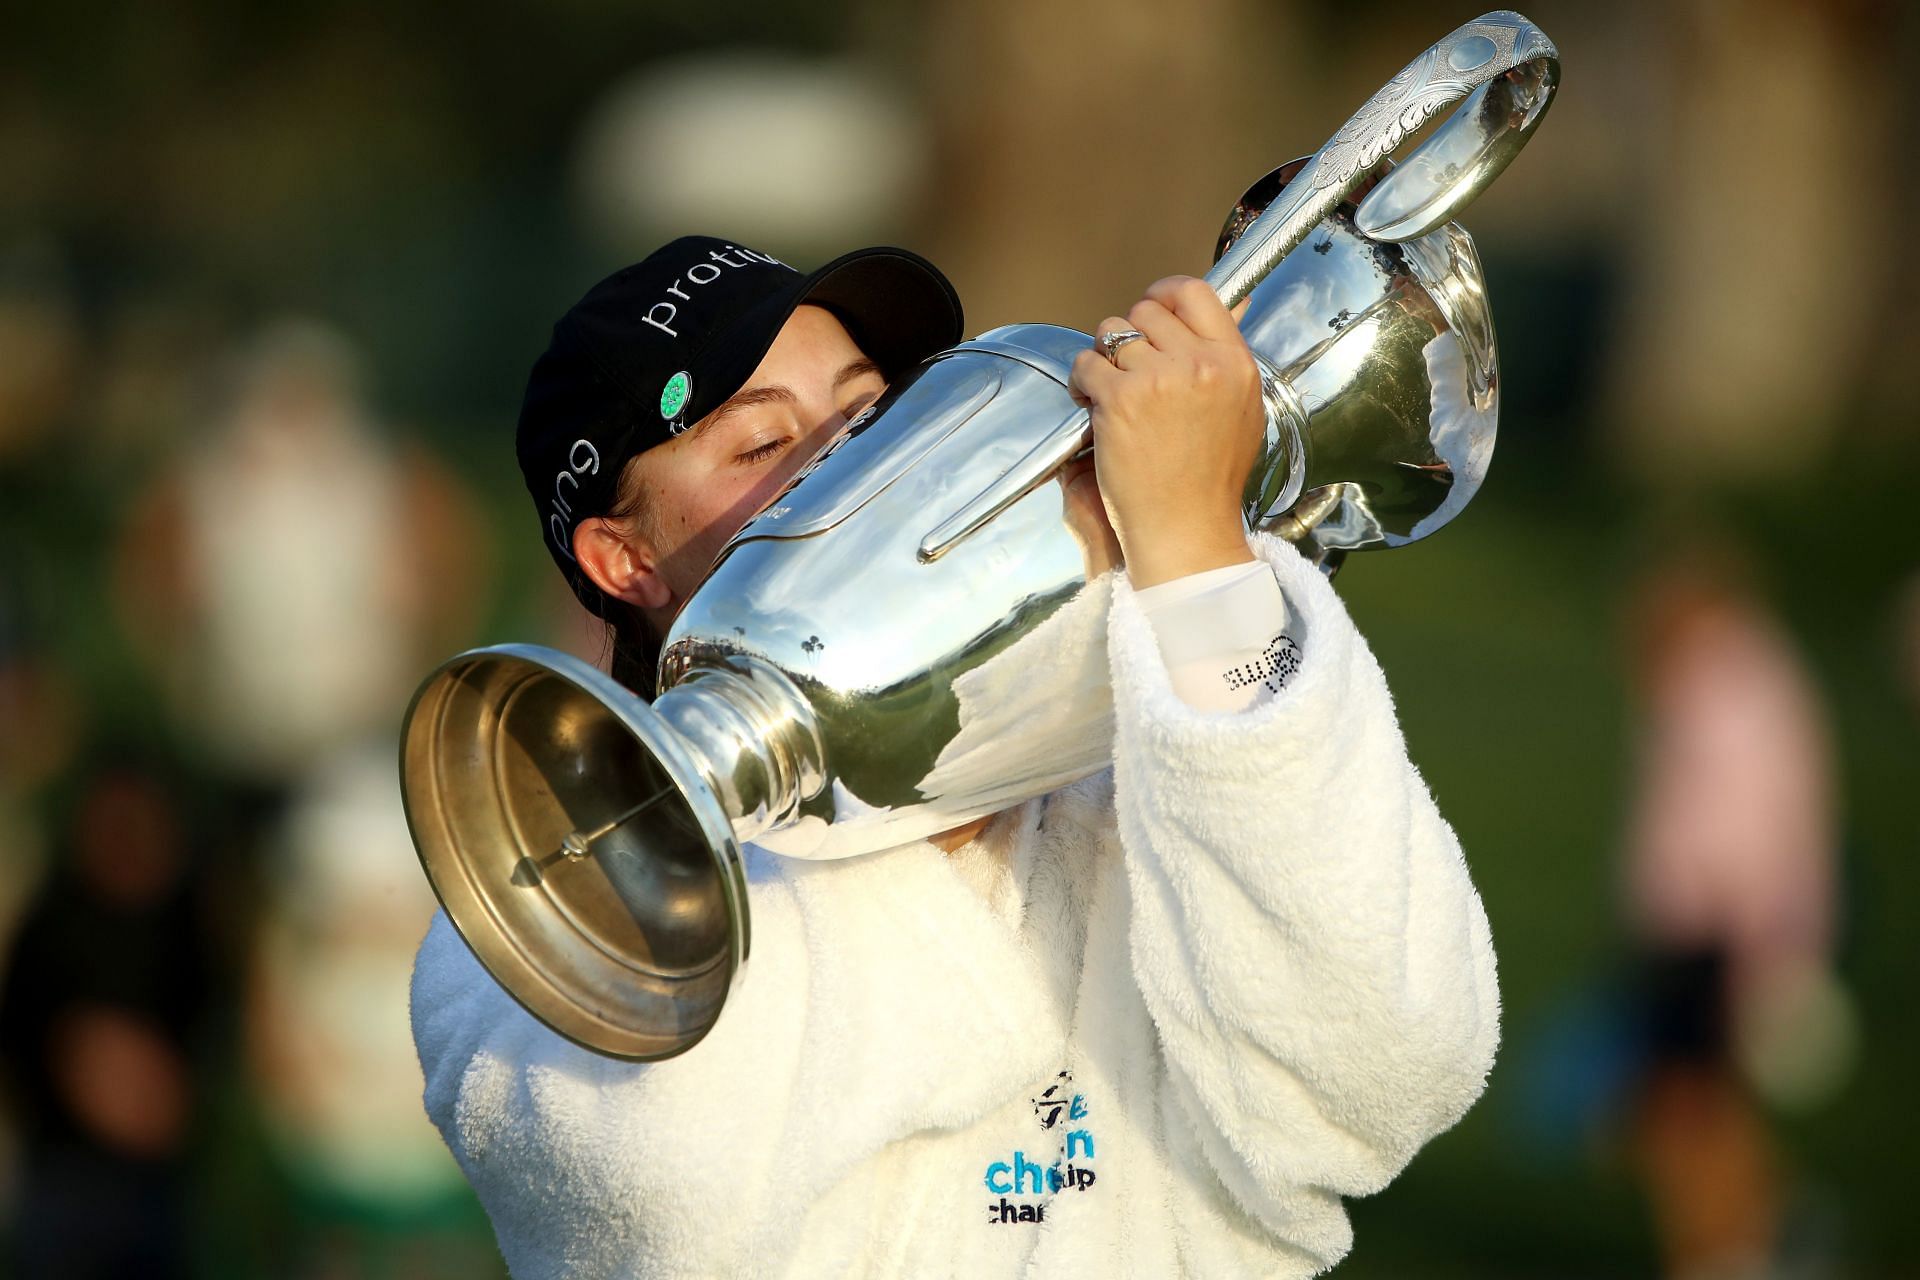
827, 429
818, 439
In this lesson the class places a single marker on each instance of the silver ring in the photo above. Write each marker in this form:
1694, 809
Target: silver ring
1110, 343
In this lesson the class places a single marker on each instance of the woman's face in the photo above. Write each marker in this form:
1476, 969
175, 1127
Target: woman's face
699, 489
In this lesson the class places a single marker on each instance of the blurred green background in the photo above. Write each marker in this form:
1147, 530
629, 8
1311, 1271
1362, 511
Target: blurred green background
271, 277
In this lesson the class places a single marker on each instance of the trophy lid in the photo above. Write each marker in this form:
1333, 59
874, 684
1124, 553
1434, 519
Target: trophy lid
577, 849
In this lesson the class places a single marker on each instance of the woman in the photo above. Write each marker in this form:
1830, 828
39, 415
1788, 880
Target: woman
1155, 1023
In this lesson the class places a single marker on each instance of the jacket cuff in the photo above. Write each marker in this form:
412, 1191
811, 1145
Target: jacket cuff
1222, 635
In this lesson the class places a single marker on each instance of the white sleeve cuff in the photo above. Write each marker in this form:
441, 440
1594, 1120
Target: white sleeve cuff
1222, 635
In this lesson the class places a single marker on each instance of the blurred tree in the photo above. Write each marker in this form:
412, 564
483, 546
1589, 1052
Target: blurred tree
1759, 268
1083, 153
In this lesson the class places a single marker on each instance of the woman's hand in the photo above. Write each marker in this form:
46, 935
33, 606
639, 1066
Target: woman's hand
1177, 425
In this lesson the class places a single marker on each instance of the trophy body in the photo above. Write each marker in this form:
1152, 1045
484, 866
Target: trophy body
940, 688
907, 666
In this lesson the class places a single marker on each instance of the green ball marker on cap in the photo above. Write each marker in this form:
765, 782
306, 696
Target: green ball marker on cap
673, 398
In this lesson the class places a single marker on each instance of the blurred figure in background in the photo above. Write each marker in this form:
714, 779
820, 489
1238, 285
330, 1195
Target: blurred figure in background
290, 576
40, 714
329, 1047
1730, 897
106, 991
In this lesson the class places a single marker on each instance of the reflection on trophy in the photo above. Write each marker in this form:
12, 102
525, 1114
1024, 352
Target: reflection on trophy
849, 675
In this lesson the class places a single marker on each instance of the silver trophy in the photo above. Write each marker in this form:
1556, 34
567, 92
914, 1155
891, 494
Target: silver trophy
913, 635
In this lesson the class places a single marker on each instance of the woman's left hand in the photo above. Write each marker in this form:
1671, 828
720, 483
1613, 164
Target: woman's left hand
1177, 425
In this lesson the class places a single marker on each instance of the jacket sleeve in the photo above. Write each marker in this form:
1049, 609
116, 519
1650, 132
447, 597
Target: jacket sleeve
587, 1165
1303, 929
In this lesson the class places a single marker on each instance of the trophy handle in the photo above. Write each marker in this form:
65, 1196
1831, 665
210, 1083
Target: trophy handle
1505, 67
1441, 177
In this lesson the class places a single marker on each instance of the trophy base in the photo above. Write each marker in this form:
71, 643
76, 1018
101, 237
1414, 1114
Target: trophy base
577, 847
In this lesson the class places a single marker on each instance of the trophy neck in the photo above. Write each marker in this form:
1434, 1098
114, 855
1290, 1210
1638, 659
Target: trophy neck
754, 737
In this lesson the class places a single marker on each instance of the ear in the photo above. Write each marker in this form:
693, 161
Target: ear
620, 563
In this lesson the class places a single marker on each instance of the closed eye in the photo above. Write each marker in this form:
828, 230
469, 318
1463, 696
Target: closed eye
761, 452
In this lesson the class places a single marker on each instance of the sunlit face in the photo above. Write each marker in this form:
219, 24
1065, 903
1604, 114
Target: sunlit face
698, 490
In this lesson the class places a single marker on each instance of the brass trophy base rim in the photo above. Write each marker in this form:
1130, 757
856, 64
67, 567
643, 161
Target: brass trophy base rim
609, 902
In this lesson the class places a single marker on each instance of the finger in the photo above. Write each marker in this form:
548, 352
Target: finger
1086, 516
1195, 302
1131, 350
1165, 330
1092, 377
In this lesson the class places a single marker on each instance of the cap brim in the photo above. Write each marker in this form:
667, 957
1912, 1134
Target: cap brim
896, 305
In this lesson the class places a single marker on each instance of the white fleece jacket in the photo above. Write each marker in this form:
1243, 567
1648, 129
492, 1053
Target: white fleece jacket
1157, 1023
